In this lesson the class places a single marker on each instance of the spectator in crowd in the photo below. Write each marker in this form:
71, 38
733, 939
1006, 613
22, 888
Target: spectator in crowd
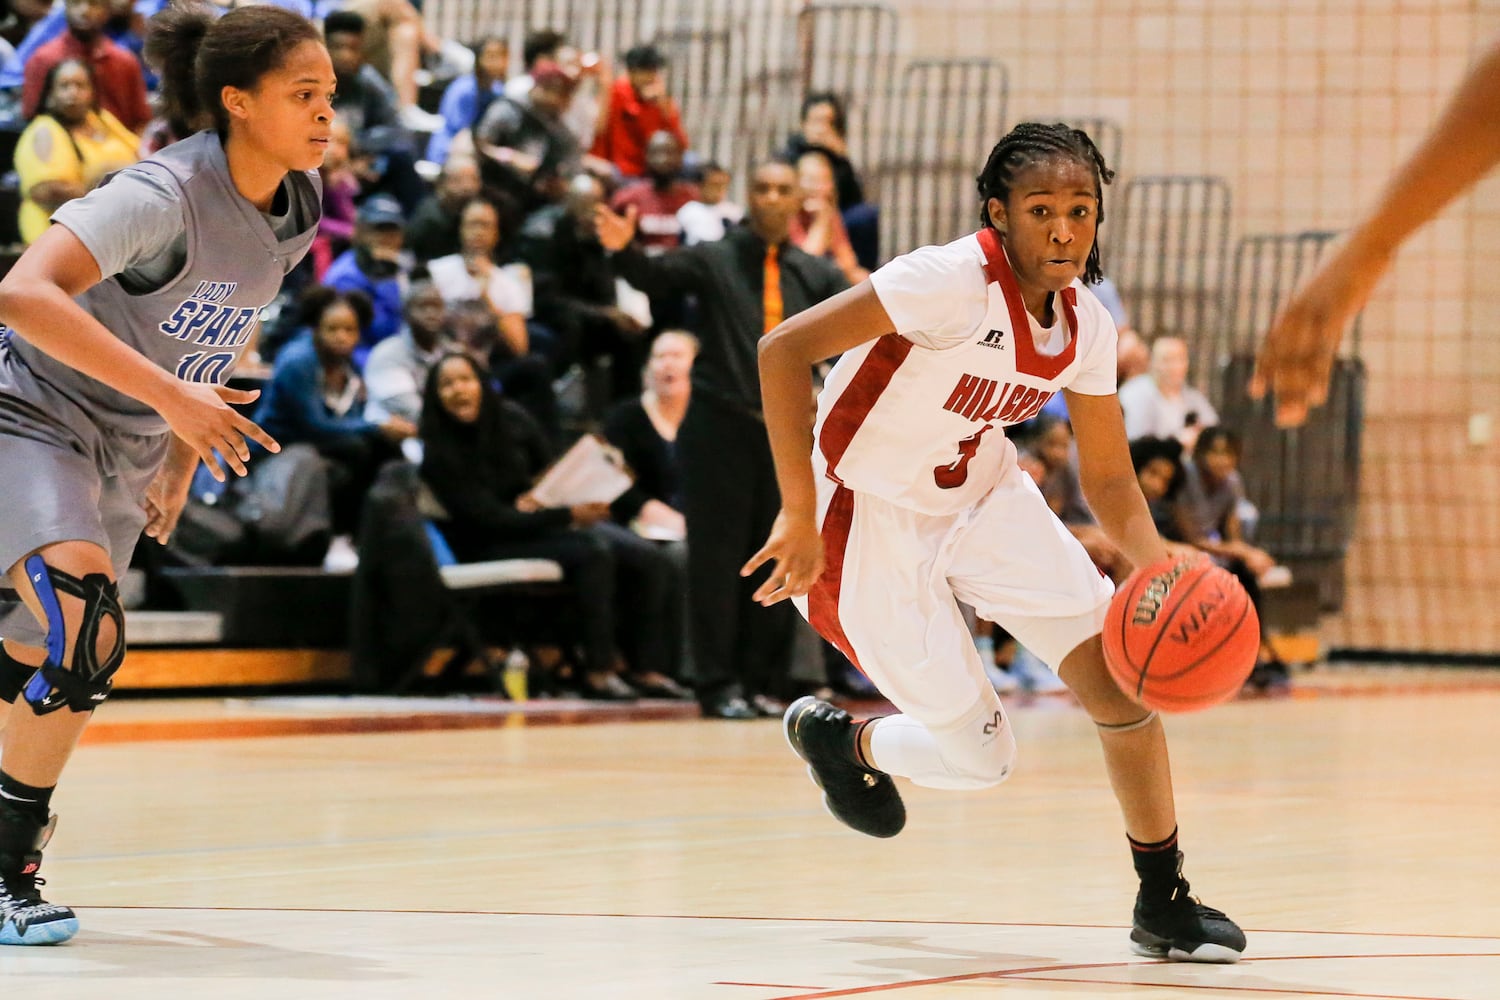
1161, 403
645, 430
396, 370
474, 275
68, 147
340, 189
710, 217
525, 150
658, 196
1158, 469
384, 147
818, 228
1132, 356
365, 100
574, 282
433, 229
540, 45
376, 266
585, 69
50, 20
746, 284
525, 379
316, 396
119, 82
1208, 507
825, 126
638, 108
467, 97
481, 454
18, 18
393, 43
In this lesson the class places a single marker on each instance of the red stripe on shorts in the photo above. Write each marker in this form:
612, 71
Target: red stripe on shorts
823, 599
859, 397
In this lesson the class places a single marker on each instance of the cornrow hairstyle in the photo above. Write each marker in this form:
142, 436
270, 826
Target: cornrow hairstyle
1030, 143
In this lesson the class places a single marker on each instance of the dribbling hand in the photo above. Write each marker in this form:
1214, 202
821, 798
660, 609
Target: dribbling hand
797, 548
200, 414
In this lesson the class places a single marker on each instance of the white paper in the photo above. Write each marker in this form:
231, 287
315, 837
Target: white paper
591, 471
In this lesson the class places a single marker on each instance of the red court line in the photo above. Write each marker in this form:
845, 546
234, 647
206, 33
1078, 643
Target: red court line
1218, 987
1039, 974
236, 729
768, 986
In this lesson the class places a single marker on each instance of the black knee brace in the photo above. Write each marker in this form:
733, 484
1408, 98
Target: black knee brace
84, 684
13, 676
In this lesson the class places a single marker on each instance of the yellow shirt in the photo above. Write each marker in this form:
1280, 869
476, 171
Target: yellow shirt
47, 152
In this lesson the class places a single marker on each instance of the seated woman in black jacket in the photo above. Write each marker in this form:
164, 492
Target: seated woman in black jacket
481, 454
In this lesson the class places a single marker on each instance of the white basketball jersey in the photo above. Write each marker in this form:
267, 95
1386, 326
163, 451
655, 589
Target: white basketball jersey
916, 419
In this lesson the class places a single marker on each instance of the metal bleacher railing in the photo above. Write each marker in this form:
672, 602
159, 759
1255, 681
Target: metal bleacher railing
1305, 481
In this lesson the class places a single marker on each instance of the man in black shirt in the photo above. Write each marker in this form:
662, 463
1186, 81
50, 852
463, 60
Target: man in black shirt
745, 284
574, 286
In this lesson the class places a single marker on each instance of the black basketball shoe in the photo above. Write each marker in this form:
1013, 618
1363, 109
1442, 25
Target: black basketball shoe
861, 798
1184, 930
26, 918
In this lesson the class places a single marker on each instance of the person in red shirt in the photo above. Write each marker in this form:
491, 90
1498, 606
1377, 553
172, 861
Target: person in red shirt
119, 82
638, 108
659, 195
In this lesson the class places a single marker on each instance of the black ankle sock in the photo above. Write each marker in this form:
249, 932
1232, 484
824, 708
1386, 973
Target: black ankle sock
856, 731
1158, 866
26, 798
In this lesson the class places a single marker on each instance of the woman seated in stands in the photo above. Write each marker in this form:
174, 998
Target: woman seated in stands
1206, 517
645, 431
69, 147
824, 127
481, 453
315, 395
474, 275
818, 229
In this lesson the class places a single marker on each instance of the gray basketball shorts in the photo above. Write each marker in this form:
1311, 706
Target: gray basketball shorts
53, 490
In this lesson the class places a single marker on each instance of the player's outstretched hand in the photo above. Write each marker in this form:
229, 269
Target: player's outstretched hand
200, 414
797, 548
1296, 361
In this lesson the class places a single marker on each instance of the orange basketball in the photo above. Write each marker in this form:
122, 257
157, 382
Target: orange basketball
1181, 635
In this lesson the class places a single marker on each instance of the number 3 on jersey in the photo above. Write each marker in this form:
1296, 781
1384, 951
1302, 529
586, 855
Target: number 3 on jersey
201, 366
951, 477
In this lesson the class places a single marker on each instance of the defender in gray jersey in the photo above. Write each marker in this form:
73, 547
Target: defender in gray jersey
121, 325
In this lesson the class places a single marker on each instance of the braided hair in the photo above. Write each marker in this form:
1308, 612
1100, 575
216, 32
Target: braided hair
1030, 143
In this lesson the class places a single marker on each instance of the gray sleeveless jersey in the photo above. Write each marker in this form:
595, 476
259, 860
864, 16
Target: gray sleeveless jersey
197, 324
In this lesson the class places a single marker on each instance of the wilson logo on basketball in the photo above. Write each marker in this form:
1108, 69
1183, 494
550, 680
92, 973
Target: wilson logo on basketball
1155, 595
1188, 630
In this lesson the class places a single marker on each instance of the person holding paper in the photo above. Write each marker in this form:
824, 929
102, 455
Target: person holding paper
481, 454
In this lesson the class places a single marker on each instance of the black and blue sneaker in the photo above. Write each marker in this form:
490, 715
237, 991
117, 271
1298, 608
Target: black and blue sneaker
861, 798
26, 918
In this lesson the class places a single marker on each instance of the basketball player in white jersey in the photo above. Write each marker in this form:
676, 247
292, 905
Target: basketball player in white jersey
912, 500
1461, 147
124, 320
